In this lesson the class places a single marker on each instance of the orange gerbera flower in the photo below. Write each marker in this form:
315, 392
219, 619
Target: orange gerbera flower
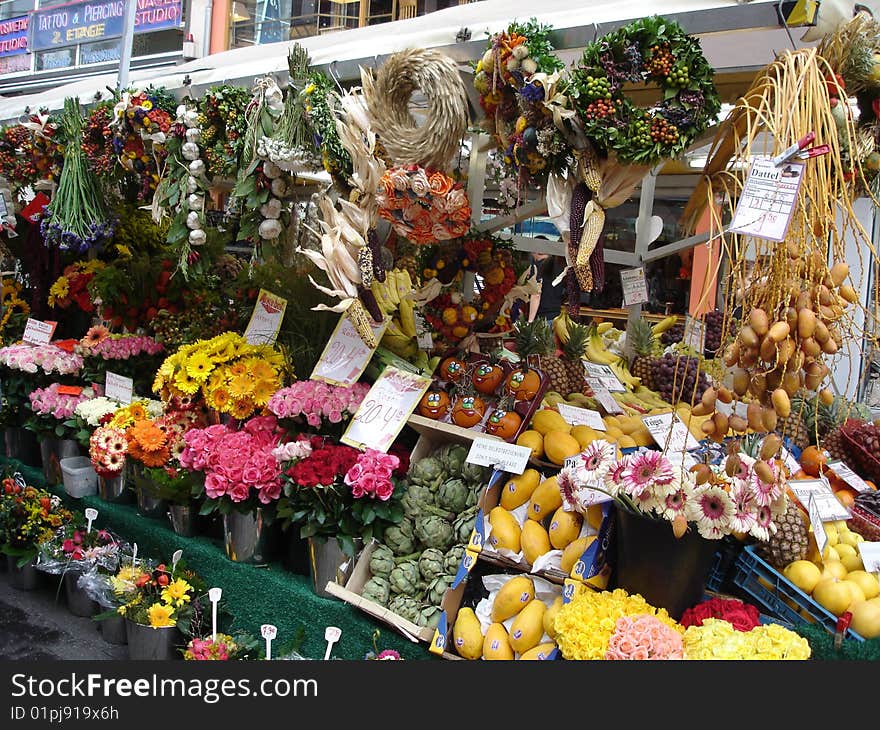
148, 435
95, 335
156, 458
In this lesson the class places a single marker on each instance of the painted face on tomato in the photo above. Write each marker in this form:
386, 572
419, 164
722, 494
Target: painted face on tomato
451, 369
434, 404
487, 378
503, 424
468, 411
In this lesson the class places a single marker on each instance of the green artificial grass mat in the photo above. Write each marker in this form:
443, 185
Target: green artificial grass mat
252, 595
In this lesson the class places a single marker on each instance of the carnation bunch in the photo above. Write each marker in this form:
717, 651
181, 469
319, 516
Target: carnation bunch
238, 463
94, 411
230, 374
316, 401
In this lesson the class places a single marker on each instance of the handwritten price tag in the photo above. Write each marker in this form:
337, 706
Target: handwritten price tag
606, 400
602, 376
384, 410
37, 332
500, 455
668, 427
582, 417
346, 356
849, 476
118, 387
265, 321
695, 333
635, 289
804, 489
818, 527
870, 552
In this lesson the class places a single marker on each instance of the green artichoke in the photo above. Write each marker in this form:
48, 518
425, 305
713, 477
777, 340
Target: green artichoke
427, 472
415, 499
405, 578
434, 532
452, 559
437, 588
400, 537
464, 525
475, 475
377, 589
431, 563
405, 607
453, 495
382, 561
429, 616
452, 458
474, 492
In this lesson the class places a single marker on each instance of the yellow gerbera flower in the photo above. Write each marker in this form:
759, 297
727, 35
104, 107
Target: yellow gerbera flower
238, 368
241, 409
241, 386
259, 369
199, 366
264, 390
160, 615
184, 383
177, 593
218, 398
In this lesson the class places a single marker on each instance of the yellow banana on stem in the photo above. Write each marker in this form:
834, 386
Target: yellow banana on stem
664, 324
407, 317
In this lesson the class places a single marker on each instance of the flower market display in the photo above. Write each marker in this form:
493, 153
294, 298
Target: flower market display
277, 335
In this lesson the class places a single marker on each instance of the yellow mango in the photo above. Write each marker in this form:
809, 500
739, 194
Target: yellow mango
545, 500
549, 615
611, 421
534, 540
573, 552
505, 530
519, 488
547, 420
585, 435
626, 442
513, 597
630, 424
614, 434
564, 528
559, 445
496, 645
595, 516
528, 627
466, 634
642, 437
539, 652
532, 440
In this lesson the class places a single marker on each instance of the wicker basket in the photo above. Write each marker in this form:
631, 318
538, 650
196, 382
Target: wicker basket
865, 462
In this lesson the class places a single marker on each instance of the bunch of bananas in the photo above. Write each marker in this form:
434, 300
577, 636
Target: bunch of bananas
394, 296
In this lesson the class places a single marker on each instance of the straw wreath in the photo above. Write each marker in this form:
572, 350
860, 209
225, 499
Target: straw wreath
435, 143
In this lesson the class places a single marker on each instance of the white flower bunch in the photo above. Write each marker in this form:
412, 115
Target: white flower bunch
94, 409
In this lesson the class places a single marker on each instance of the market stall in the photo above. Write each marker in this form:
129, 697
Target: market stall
284, 325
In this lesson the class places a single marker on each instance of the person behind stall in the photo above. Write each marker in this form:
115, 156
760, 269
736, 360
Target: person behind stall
546, 267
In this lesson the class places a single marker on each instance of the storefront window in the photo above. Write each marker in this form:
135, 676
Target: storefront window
14, 8
49, 60
99, 52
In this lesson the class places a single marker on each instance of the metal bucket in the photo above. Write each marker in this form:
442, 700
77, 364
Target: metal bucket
113, 630
182, 518
52, 450
112, 489
147, 643
246, 537
26, 578
22, 444
328, 563
78, 601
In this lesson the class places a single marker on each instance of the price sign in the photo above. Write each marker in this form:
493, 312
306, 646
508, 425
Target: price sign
37, 332
424, 339
818, 527
606, 400
384, 410
499, 454
582, 417
849, 476
268, 632
792, 464
695, 333
73, 390
265, 321
830, 507
635, 288
870, 552
118, 387
804, 489
602, 376
345, 356
670, 432
768, 199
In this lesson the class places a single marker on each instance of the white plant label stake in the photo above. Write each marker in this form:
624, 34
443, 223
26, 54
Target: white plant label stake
175, 559
268, 632
331, 634
134, 554
91, 515
214, 596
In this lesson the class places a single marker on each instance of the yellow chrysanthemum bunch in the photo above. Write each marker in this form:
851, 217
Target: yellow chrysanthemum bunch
585, 625
233, 376
717, 639
12, 303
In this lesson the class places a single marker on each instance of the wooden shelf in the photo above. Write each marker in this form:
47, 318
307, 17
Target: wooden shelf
430, 428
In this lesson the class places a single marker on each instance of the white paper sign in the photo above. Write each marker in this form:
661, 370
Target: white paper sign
668, 427
635, 288
606, 400
602, 376
118, 387
849, 476
804, 489
870, 552
695, 334
265, 321
499, 455
768, 199
818, 527
37, 332
424, 338
346, 355
575, 416
792, 464
384, 410
830, 507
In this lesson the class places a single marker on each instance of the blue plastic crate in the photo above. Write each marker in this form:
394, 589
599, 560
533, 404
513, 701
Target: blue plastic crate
750, 569
716, 573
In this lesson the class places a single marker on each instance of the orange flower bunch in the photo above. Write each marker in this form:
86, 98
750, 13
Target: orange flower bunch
148, 443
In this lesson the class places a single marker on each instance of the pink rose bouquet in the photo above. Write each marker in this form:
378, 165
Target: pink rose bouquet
53, 411
643, 637
238, 464
371, 475
318, 403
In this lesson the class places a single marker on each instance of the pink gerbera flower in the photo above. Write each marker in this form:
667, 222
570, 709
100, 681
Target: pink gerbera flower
763, 526
744, 507
712, 510
766, 494
676, 503
645, 471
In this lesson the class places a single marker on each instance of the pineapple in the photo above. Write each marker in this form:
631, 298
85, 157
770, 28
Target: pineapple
795, 425
536, 345
642, 341
791, 541
572, 354
833, 444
